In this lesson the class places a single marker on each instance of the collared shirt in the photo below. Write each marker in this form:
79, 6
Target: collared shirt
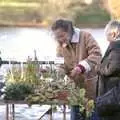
76, 35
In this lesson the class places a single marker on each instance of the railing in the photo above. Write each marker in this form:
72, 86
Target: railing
17, 62
10, 105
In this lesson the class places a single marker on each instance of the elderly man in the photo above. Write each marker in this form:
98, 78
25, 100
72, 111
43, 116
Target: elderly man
81, 54
109, 76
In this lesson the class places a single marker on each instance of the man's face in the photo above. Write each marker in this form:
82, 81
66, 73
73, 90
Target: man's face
111, 35
62, 37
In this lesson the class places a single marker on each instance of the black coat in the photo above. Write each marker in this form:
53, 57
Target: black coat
109, 69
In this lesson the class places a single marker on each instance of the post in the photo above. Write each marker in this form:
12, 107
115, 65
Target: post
51, 113
7, 111
64, 112
13, 112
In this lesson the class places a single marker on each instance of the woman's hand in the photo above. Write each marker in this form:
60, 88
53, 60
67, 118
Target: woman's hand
75, 72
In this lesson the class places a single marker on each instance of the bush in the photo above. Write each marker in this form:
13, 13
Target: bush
17, 91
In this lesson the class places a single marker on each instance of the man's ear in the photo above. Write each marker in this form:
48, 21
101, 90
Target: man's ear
113, 34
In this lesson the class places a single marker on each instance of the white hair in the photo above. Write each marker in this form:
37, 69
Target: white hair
113, 25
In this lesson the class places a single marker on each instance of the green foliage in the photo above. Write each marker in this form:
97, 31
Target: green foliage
46, 84
17, 91
14, 75
77, 97
21, 81
91, 15
31, 73
47, 11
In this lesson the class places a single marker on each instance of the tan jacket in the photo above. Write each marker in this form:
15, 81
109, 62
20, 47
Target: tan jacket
87, 49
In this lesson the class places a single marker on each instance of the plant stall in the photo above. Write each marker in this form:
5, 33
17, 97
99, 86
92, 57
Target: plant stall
37, 82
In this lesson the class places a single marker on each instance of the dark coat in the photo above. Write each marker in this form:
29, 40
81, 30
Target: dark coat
109, 76
109, 69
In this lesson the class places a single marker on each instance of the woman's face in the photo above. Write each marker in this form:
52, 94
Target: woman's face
62, 37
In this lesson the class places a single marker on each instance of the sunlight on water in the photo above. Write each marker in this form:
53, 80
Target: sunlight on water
19, 43
22, 43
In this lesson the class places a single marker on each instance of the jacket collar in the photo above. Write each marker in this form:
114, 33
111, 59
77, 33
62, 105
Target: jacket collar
112, 45
115, 44
76, 35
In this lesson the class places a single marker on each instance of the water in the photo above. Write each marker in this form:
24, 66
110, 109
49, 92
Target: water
18, 44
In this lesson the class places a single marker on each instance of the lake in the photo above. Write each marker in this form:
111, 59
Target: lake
19, 43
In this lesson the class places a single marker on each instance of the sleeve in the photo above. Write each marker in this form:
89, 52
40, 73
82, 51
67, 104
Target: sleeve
59, 52
112, 66
94, 52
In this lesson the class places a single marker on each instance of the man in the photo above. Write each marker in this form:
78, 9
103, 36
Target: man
109, 75
81, 54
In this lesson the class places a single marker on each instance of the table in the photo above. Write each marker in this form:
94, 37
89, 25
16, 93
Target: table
10, 109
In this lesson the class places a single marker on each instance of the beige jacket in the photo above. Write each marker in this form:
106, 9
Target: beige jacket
86, 49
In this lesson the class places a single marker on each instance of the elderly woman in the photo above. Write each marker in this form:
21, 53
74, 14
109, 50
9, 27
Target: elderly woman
109, 75
81, 54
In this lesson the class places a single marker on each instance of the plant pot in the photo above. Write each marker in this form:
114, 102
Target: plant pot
62, 95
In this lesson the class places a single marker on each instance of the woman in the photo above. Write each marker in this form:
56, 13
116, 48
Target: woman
81, 54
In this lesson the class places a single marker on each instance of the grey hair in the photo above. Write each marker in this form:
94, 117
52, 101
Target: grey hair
112, 25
